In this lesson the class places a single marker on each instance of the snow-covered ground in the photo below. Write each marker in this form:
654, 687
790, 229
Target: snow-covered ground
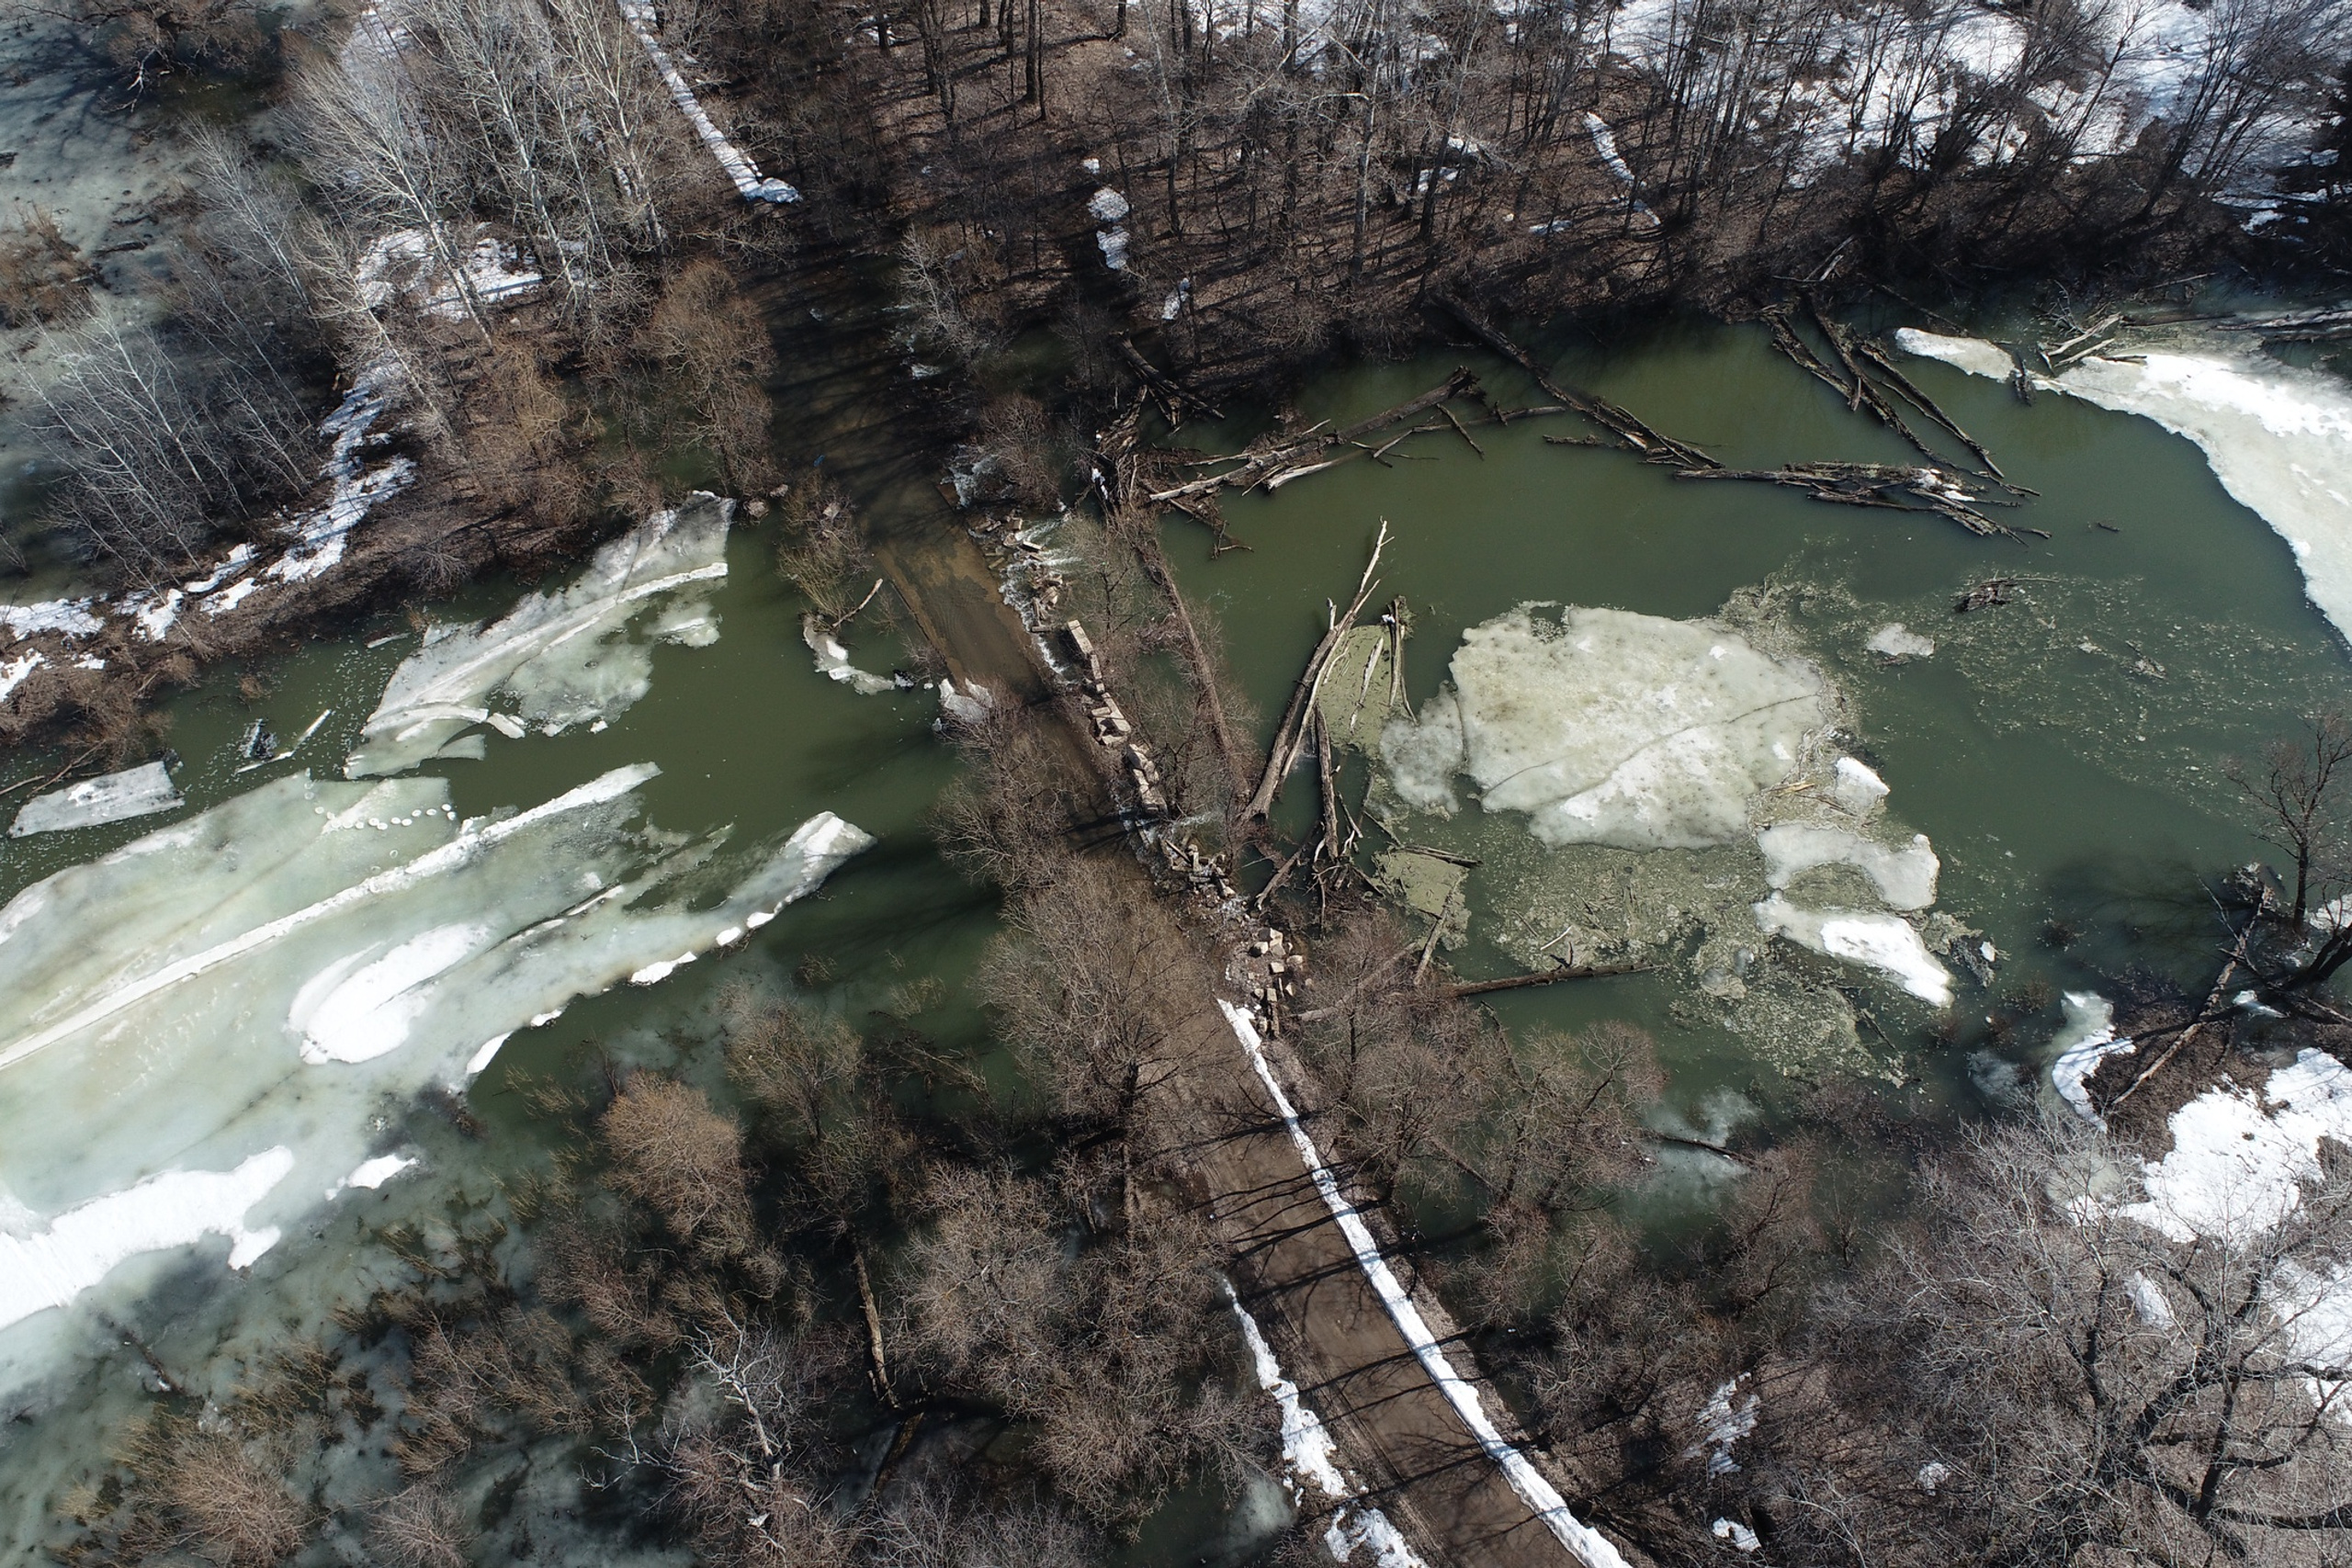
2279, 438
1893, 76
1311, 1467
644, 18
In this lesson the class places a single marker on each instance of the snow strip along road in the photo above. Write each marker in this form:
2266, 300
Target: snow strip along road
1586, 1543
738, 167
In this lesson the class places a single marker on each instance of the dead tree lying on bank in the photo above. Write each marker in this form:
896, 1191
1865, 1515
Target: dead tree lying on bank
1897, 489
1172, 396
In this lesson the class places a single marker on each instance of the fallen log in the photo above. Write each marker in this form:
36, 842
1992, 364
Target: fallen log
1551, 976
1893, 376
1172, 395
1289, 734
1884, 485
1290, 457
1785, 339
1654, 446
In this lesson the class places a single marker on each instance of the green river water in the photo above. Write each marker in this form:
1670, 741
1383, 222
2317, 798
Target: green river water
2056, 784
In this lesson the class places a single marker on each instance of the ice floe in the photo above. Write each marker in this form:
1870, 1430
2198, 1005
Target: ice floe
1906, 878
1608, 727
558, 659
1885, 942
1856, 787
49, 1266
268, 973
1894, 641
111, 798
2279, 438
1587, 1544
832, 659
2085, 1039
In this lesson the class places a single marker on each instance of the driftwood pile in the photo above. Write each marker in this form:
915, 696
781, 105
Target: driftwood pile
1867, 376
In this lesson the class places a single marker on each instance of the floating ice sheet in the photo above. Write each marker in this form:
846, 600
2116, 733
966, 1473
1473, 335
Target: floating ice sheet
1906, 878
1608, 727
266, 975
1896, 641
2279, 439
556, 660
111, 798
1885, 942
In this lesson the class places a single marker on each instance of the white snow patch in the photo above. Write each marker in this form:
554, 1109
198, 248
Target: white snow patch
1608, 727
1726, 1418
85, 1243
739, 169
1539, 1495
67, 618
1108, 206
13, 672
402, 264
2085, 1039
373, 1173
1739, 1536
2238, 1160
1885, 942
1113, 245
2148, 1300
111, 798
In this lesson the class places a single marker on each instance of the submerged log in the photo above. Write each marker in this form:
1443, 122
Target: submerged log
1654, 446
1551, 976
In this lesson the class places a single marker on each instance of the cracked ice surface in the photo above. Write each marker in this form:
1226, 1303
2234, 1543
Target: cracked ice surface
556, 660
1608, 727
253, 984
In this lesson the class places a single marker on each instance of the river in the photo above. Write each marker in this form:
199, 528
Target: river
2062, 752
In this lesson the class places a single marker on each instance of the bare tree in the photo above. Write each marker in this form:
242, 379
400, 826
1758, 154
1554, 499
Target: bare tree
2048, 1374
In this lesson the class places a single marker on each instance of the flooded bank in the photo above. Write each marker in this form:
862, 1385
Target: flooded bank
2055, 764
